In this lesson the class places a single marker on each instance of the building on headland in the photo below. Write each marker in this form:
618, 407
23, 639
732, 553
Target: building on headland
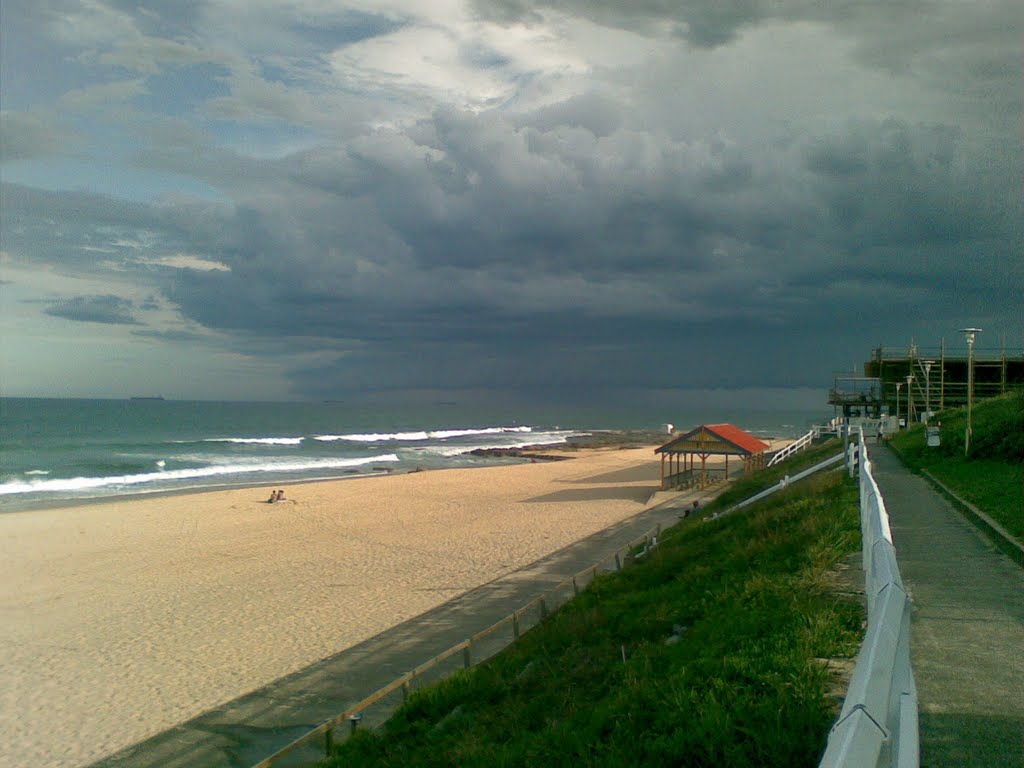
910, 381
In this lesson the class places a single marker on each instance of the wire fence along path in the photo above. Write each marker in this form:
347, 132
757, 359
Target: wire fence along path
878, 724
375, 708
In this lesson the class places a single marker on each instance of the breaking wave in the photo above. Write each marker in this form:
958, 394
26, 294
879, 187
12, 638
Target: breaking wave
115, 481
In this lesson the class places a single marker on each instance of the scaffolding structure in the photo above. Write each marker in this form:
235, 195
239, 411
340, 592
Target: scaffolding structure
914, 379
857, 396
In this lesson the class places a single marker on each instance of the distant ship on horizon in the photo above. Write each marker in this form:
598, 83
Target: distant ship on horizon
149, 397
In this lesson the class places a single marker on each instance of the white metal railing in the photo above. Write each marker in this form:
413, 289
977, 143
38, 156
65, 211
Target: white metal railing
878, 723
785, 483
834, 427
792, 448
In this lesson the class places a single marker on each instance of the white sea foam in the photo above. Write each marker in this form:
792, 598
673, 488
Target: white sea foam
256, 440
374, 437
84, 483
447, 451
37, 472
440, 434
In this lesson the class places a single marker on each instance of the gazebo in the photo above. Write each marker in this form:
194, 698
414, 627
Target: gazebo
704, 441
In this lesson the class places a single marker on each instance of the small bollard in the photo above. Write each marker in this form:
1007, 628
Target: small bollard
515, 625
575, 587
354, 719
467, 661
329, 742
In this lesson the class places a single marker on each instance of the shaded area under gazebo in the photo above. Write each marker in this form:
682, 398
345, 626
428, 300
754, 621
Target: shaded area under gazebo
701, 443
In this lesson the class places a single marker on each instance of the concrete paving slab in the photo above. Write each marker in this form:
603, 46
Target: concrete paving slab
967, 626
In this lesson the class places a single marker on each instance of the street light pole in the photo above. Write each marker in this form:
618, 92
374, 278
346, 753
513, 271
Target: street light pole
910, 399
898, 385
969, 334
928, 390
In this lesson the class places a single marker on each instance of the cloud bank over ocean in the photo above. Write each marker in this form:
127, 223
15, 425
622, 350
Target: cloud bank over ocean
310, 199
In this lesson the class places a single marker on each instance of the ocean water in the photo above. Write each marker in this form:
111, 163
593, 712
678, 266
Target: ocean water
66, 451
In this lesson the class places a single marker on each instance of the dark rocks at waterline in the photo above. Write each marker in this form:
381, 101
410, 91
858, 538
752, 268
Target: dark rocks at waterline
517, 453
620, 440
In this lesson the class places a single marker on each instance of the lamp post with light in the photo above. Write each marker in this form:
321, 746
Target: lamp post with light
969, 334
899, 384
910, 399
928, 390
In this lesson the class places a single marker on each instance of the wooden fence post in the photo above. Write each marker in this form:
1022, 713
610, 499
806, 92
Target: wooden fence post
515, 625
466, 661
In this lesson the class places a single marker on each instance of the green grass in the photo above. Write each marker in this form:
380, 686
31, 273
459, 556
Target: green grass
992, 476
745, 487
723, 628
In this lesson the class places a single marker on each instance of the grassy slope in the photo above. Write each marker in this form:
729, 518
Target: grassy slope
992, 478
720, 628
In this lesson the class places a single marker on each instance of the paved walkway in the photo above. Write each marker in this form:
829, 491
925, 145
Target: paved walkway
245, 731
967, 626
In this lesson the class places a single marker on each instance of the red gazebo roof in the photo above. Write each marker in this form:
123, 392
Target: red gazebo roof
715, 439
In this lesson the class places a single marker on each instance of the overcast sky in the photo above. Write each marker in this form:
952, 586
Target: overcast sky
288, 199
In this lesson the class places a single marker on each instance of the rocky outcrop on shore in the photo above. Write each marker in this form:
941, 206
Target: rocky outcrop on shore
600, 439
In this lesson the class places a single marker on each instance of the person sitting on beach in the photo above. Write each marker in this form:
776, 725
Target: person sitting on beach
280, 496
273, 497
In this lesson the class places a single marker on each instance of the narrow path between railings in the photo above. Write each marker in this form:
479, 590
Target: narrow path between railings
967, 627
246, 730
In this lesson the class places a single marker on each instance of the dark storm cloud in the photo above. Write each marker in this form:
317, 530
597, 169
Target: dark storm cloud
108, 309
489, 251
642, 232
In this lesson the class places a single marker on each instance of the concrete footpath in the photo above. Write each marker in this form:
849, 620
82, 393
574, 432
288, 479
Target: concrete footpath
967, 626
245, 731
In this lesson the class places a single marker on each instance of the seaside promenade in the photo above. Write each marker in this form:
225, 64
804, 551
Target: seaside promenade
967, 626
250, 728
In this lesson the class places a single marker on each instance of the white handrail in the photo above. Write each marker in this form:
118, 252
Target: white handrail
878, 724
792, 448
784, 483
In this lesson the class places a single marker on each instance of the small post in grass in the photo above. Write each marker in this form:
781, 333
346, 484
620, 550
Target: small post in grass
354, 719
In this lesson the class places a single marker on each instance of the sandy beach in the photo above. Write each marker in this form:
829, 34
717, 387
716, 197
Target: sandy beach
122, 619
